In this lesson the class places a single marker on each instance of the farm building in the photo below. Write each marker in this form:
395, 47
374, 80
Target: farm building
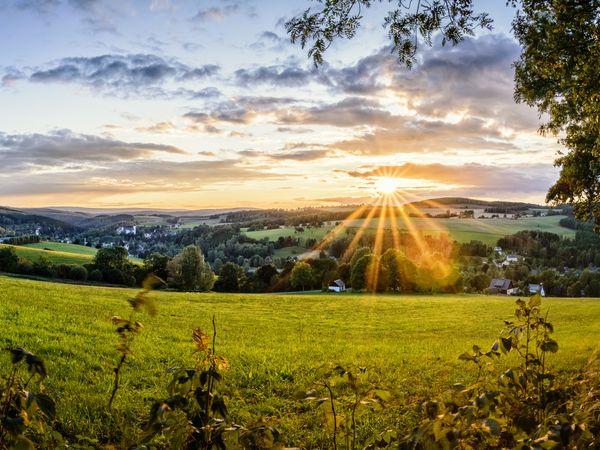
337, 286
500, 285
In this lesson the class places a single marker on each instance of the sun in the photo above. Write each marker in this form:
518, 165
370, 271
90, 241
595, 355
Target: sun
386, 186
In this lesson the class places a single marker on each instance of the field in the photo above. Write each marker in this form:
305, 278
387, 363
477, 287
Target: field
69, 254
273, 342
65, 248
461, 230
59, 253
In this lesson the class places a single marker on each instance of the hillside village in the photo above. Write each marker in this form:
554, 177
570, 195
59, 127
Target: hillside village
269, 244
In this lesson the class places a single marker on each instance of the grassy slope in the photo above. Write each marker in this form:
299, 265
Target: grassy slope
273, 235
57, 257
60, 253
274, 343
67, 248
462, 230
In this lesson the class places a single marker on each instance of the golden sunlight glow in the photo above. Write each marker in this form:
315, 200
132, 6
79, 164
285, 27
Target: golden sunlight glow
389, 222
386, 186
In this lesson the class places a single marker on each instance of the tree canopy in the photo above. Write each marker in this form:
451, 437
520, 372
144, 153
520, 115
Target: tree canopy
454, 19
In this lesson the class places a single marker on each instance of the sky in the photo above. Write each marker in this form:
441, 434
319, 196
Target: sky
206, 104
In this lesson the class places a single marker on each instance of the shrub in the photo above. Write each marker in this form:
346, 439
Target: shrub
78, 273
25, 267
525, 406
43, 267
62, 270
8, 259
114, 276
95, 275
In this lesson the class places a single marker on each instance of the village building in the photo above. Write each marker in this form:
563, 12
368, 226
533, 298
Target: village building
537, 288
126, 229
337, 286
500, 285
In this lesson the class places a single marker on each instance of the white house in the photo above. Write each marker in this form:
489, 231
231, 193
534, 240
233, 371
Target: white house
534, 288
510, 259
337, 286
513, 291
127, 229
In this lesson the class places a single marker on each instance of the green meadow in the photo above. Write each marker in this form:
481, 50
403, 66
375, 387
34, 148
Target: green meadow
408, 343
461, 230
57, 253
65, 248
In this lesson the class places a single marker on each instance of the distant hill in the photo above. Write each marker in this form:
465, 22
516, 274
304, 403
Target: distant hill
72, 217
11, 216
133, 211
458, 202
105, 220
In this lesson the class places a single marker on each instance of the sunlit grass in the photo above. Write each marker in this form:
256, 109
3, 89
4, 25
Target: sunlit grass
274, 343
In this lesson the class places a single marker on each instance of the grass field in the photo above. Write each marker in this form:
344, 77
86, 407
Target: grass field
273, 342
461, 230
65, 248
56, 256
273, 235
59, 253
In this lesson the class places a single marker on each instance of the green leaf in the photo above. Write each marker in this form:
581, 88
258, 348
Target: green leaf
46, 405
549, 345
535, 300
466, 357
22, 443
383, 394
491, 426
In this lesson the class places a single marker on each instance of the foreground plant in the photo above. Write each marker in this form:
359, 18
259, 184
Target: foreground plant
525, 406
127, 329
349, 395
194, 416
21, 408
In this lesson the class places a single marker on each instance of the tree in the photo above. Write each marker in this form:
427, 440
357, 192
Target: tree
8, 259
189, 271
301, 276
557, 71
156, 264
361, 271
359, 253
398, 273
265, 274
111, 258
558, 74
230, 279
334, 19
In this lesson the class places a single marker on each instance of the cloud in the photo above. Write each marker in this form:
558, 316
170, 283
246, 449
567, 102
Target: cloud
474, 78
139, 176
270, 41
348, 200
40, 6
226, 8
239, 110
304, 155
483, 179
123, 73
66, 149
417, 135
349, 112
159, 127
277, 75
161, 5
